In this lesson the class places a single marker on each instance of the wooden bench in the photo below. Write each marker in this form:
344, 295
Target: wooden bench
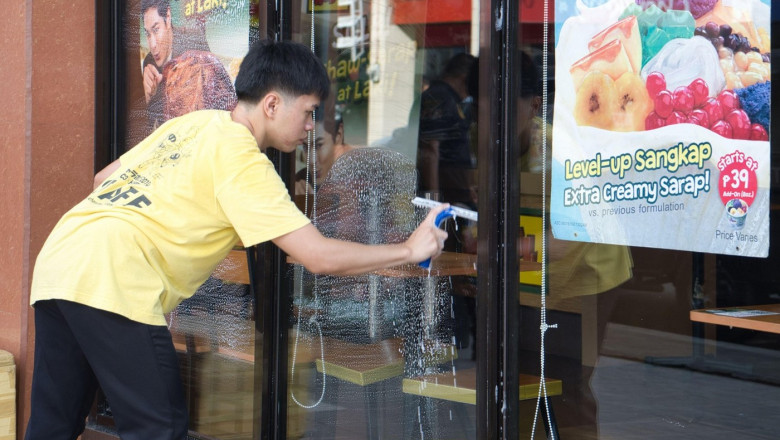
461, 386
368, 366
765, 318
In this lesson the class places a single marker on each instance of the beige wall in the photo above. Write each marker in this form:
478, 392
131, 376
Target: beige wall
47, 149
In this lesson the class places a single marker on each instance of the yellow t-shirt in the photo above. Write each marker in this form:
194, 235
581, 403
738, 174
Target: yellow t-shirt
577, 268
153, 232
588, 269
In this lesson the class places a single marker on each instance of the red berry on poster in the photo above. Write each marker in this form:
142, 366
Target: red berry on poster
676, 118
758, 133
664, 103
713, 109
740, 124
683, 99
694, 119
722, 128
700, 91
702, 116
653, 121
728, 101
654, 83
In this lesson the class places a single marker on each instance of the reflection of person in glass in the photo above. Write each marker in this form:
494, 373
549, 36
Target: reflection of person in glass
446, 169
575, 268
529, 123
444, 155
329, 145
589, 271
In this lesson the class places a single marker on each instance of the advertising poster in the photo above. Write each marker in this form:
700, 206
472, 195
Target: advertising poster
190, 53
661, 124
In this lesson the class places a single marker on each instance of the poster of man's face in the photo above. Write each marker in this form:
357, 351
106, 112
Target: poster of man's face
190, 52
159, 34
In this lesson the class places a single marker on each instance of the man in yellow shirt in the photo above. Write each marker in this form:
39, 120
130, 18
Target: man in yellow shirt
159, 220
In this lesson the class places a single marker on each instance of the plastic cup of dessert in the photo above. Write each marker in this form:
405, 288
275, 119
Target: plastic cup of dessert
736, 211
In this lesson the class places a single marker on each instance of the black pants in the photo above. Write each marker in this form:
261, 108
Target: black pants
78, 347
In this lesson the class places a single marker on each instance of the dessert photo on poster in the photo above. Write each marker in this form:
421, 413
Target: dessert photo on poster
662, 118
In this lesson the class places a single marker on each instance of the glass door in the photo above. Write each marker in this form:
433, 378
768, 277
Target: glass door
624, 314
391, 354
149, 51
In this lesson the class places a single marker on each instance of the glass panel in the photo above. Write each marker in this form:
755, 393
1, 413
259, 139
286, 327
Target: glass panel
214, 333
165, 46
389, 354
623, 314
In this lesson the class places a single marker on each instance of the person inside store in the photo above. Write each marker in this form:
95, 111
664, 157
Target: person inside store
444, 160
446, 170
329, 145
591, 272
160, 219
529, 122
165, 43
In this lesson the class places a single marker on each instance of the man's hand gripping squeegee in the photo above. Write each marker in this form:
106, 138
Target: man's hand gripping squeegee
451, 212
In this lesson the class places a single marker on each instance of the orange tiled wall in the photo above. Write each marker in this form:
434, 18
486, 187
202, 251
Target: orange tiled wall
47, 149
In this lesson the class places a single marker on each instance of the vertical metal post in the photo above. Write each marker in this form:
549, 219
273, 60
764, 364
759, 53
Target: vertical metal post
110, 82
497, 308
271, 286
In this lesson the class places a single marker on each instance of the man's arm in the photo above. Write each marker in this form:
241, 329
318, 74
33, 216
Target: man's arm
323, 255
104, 173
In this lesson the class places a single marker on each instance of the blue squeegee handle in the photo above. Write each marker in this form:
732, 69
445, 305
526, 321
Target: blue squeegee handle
440, 217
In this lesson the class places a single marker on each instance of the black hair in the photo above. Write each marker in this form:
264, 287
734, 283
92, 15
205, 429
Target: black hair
283, 66
162, 6
530, 76
459, 65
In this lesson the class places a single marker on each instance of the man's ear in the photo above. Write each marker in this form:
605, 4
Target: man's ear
167, 20
271, 103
